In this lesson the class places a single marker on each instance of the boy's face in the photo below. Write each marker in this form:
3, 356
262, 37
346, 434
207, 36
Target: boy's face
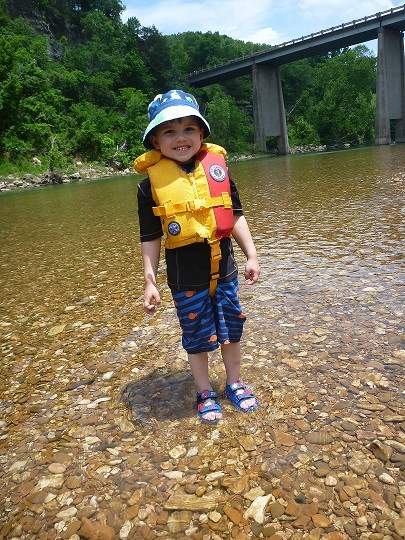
179, 139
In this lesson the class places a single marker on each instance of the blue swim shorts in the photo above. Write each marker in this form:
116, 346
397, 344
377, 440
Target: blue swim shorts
206, 322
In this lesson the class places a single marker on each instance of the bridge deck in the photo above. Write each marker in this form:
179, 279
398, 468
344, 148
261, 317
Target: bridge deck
337, 37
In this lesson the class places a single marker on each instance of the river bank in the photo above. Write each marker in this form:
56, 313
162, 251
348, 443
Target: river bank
24, 180
47, 178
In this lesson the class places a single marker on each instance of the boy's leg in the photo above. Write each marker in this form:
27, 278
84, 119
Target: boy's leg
197, 321
199, 369
231, 355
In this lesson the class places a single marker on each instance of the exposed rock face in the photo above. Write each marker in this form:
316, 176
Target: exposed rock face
42, 22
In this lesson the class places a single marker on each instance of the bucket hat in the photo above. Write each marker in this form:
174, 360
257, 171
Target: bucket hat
169, 106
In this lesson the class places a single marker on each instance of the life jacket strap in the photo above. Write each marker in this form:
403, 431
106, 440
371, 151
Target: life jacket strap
216, 256
169, 209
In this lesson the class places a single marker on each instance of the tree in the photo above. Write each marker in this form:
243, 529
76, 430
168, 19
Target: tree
345, 111
156, 55
77, 81
230, 126
29, 106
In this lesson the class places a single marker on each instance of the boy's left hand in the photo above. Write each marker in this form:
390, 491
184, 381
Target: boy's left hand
252, 271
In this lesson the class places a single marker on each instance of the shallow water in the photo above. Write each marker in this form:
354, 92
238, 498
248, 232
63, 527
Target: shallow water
328, 228
323, 343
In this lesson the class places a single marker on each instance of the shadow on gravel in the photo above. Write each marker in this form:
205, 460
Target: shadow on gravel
160, 396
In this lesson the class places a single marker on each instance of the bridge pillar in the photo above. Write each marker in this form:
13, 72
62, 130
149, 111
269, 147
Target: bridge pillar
268, 108
390, 86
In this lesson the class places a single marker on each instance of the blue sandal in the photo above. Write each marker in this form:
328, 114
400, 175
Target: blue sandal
203, 409
237, 393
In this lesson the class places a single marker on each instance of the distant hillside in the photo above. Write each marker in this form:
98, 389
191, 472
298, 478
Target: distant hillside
75, 82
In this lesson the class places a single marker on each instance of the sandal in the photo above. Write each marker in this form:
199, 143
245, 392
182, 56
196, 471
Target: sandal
237, 393
203, 408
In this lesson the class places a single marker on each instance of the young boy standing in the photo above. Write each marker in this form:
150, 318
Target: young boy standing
189, 197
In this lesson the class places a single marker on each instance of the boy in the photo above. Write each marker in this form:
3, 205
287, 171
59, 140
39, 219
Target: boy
189, 196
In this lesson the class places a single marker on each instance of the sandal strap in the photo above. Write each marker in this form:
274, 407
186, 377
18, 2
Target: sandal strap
233, 389
206, 394
211, 407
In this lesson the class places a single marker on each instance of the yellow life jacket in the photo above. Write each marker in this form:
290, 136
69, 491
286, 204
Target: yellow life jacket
194, 207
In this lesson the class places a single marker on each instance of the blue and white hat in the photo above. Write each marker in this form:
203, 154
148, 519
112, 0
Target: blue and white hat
174, 104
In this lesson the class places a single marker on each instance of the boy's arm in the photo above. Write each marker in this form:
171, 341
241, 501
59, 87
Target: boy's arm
243, 238
150, 256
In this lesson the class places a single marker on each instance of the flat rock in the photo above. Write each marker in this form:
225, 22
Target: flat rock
319, 437
190, 502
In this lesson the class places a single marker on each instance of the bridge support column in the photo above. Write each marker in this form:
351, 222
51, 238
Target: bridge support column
268, 108
390, 86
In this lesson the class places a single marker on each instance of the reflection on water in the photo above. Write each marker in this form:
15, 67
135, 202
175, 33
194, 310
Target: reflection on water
328, 228
327, 214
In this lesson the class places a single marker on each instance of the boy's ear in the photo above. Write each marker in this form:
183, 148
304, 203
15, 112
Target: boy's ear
154, 141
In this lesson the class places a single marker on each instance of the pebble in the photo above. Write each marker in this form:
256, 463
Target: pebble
399, 527
256, 509
386, 478
125, 530
56, 468
67, 514
331, 480
177, 452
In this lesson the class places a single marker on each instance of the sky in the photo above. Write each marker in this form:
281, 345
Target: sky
260, 21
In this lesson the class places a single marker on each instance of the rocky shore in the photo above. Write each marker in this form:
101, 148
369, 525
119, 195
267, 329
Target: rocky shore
29, 180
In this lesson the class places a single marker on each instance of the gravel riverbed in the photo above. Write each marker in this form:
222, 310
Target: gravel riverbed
111, 447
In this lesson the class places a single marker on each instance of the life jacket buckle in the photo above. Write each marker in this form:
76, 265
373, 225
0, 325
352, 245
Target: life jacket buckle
196, 204
169, 209
190, 205
216, 253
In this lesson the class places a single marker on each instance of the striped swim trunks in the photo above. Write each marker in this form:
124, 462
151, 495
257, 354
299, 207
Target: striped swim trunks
206, 322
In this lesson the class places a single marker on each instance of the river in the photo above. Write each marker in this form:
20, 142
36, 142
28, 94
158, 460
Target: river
326, 319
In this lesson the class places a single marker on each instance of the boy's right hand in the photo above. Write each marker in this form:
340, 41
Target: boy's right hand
151, 299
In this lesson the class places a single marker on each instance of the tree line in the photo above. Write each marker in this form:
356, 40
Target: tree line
75, 82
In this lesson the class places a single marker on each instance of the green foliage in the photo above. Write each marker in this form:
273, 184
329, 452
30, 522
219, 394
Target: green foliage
230, 126
301, 132
132, 105
191, 51
331, 101
78, 83
57, 159
345, 113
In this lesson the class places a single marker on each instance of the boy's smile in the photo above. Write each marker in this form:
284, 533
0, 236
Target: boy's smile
179, 139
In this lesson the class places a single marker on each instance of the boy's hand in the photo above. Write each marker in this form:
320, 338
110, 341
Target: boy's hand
252, 270
151, 299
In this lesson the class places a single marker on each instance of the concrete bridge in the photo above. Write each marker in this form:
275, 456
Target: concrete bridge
268, 106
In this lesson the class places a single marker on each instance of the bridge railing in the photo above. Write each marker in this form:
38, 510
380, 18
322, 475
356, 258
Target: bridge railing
351, 24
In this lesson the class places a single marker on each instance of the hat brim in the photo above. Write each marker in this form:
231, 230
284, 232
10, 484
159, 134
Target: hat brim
171, 113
